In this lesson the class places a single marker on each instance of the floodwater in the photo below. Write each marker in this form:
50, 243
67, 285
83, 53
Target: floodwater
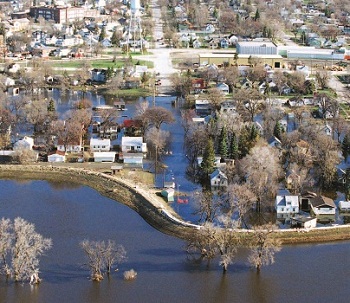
69, 213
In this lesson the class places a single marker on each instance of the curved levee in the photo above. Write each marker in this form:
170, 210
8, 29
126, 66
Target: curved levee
153, 209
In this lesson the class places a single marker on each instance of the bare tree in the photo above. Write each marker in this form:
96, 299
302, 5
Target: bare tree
215, 98
94, 251
6, 239
102, 255
114, 254
24, 155
27, 247
261, 170
322, 78
249, 103
155, 116
240, 200
207, 205
156, 140
263, 246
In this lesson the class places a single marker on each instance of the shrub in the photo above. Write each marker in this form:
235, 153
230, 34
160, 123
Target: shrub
130, 274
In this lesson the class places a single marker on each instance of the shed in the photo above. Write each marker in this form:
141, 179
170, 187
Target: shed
104, 156
116, 168
303, 222
57, 156
133, 159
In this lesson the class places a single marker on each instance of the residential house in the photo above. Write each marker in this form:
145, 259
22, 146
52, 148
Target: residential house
56, 156
119, 105
305, 200
99, 75
286, 203
196, 44
210, 28
224, 43
321, 205
274, 142
246, 83
104, 156
223, 87
217, 163
213, 43
202, 107
133, 145
13, 68
198, 85
228, 107
108, 129
100, 145
344, 206
24, 143
73, 145
218, 179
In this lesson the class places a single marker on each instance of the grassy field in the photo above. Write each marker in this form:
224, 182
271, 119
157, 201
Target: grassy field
101, 63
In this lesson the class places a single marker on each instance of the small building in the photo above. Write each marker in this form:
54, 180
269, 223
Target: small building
99, 75
344, 206
274, 142
218, 179
322, 205
104, 156
168, 194
286, 203
134, 160
100, 145
57, 156
303, 222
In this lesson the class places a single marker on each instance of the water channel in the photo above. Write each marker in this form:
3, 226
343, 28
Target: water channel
69, 213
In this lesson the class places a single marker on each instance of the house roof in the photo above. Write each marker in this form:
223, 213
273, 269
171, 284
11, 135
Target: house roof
284, 200
94, 141
57, 152
132, 140
217, 174
322, 201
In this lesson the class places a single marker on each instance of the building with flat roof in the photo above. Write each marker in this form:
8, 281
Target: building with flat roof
256, 48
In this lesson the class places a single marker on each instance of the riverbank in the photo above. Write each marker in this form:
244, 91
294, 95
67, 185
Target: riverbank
151, 207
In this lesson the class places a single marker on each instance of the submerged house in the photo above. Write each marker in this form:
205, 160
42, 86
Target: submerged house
286, 204
322, 205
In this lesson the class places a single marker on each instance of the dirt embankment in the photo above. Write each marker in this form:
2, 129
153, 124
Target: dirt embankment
153, 209
149, 206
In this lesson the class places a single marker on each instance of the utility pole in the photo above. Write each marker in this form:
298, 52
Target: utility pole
156, 83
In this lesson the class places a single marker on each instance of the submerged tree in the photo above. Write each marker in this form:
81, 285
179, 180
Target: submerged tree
263, 246
102, 256
20, 249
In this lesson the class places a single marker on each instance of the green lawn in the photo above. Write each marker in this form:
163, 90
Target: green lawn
104, 63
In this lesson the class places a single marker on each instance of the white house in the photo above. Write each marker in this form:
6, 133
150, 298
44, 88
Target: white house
133, 145
100, 145
56, 156
344, 206
322, 205
104, 156
25, 143
73, 146
286, 203
218, 179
